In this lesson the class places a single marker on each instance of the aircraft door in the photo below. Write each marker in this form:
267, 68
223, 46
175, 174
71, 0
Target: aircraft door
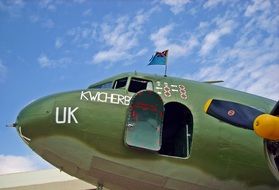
145, 121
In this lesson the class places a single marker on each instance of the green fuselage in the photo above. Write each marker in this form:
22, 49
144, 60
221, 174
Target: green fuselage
88, 141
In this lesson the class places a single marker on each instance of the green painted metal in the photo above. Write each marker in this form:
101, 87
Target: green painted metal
93, 147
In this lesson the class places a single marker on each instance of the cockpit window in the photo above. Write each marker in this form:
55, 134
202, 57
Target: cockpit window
137, 85
107, 85
120, 83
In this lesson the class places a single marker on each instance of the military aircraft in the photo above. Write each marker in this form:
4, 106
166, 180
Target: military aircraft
141, 131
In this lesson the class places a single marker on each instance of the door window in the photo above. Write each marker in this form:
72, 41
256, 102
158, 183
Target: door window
145, 121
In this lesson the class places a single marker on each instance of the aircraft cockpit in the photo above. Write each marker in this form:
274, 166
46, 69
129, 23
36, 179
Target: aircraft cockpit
132, 84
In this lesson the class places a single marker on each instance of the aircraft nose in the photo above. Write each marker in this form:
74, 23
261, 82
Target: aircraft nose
33, 119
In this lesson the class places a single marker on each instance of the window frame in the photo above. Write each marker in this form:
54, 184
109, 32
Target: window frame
103, 85
140, 79
122, 87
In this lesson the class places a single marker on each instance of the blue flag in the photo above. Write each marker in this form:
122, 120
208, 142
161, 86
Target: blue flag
160, 58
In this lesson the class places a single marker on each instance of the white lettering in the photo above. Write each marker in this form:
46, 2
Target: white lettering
102, 97
57, 115
82, 95
121, 99
105, 97
67, 117
94, 98
127, 100
114, 99
71, 114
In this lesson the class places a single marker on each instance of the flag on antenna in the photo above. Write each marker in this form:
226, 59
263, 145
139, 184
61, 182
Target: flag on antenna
159, 58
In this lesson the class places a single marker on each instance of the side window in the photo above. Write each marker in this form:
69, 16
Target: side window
137, 85
144, 121
120, 83
107, 85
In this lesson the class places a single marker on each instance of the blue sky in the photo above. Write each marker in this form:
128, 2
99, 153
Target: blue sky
51, 46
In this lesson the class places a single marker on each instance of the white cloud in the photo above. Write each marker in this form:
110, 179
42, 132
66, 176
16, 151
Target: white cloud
160, 37
265, 83
260, 79
213, 3
79, 1
46, 62
53, 5
13, 164
83, 36
257, 5
109, 56
34, 18
58, 43
180, 48
87, 12
249, 63
3, 71
13, 8
49, 23
177, 6
45, 23
264, 16
142, 52
212, 38
248, 66
48, 4
120, 37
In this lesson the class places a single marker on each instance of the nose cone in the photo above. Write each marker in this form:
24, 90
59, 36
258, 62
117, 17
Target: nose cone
33, 121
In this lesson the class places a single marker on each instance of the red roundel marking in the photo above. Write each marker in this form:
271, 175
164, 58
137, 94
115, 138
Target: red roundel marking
231, 113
